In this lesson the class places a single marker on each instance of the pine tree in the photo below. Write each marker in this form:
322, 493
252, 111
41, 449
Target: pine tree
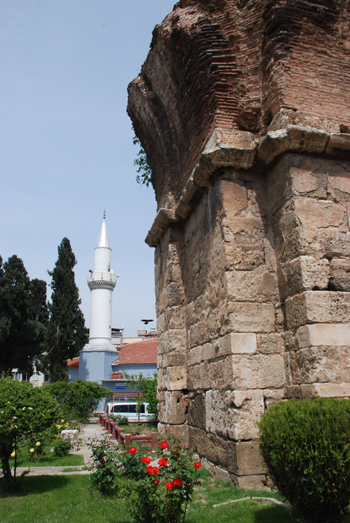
66, 329
22, 334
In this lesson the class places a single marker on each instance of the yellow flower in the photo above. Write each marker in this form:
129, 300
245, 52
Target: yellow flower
56, 436
38, 443
31, 450
62, 420
66, 425
13, 454
39, 433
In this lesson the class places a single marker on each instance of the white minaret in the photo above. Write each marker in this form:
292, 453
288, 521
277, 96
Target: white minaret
101, 282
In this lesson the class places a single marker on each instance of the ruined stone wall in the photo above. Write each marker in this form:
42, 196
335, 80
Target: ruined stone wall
243, 110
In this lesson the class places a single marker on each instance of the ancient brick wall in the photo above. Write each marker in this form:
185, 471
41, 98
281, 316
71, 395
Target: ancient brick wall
243, 110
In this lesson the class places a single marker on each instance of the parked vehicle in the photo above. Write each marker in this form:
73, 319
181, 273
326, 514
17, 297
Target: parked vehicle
129, 410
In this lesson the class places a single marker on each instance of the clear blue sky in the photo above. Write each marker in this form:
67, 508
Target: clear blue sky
66, 141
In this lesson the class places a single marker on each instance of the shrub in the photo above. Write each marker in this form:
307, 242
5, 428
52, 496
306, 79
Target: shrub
62, 447
121, 420
80, 398
306, 447
157, 486
105, 465
25, 411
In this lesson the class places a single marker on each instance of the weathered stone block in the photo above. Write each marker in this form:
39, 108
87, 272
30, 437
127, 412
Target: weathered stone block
244, 459
260, 372
172, 340
340, 274
257, 285
178, 378
216, 450
292, 138
175, 408
317, 307
198, 377
234, 414
197, 440
305, 273
326, 390
175, 358
323, 334
253, 482
317, 214
270, 343
195, 356
197, 412
252, 317
321, 364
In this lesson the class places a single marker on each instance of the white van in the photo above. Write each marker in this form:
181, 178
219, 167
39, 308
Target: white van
129, 410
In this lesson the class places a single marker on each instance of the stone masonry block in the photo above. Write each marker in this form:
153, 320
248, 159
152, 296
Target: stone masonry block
270, 343
197, 440
198, 377
258, 372
196, 411
323, 334
175, 358
175, 408
237, 343
216, 450
178, 378
306, 273
172, 340
234, 414
252, 317
244, 459
316, 214
317, 307
252, 286
340, 275
326, 390
321, 365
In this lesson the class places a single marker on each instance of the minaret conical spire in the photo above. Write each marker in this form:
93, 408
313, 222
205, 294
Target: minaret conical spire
103, 240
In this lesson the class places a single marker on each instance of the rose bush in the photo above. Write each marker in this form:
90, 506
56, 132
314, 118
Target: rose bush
158, 486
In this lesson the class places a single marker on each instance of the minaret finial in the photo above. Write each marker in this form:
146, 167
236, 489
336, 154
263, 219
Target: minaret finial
104, 214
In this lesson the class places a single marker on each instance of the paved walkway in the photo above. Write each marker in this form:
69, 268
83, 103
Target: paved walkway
87, 434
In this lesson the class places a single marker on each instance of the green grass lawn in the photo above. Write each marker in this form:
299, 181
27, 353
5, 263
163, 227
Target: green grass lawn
48, 459
56, 499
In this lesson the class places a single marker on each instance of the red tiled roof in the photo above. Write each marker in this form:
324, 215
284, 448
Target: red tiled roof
141, 352
74, 363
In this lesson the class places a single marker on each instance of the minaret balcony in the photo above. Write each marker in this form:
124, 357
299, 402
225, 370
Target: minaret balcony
102, 280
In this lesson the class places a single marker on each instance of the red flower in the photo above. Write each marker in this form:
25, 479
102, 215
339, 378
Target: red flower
132, 450
177, 482
156, 481
146, 460
164, 444
149, 470
162, 462
169, 485
197, 465
155, 470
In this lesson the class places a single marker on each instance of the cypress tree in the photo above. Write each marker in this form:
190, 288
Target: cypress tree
22, 333
66, 330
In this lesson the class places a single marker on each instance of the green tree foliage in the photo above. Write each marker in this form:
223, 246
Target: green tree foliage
66, 328
24, 410
23, 317
144, 171
148, 388
80, 398
306, 447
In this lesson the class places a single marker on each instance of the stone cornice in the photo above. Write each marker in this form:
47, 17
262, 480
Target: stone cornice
239, 150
